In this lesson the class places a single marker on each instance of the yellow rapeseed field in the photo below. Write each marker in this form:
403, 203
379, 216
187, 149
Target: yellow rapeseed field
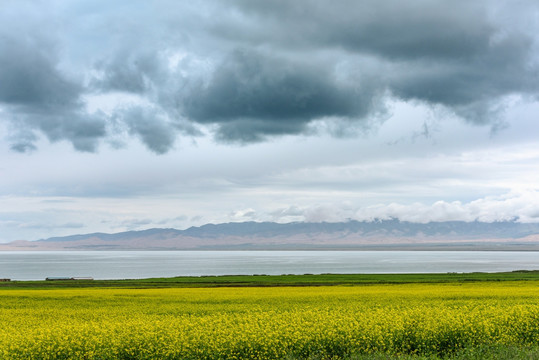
265, 323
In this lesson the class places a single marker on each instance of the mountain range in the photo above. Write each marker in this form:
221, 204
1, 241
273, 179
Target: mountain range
356, 235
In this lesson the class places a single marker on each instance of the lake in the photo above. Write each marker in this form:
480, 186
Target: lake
25, 265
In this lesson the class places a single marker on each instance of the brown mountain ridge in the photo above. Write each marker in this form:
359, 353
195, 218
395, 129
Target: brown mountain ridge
350, 235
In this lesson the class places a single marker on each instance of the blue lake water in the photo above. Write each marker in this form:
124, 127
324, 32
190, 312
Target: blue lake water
19, 265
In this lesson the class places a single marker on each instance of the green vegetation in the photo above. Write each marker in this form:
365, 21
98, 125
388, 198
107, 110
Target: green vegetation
278, 280
478, 353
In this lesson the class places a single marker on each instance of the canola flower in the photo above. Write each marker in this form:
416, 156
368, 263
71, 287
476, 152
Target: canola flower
265, 323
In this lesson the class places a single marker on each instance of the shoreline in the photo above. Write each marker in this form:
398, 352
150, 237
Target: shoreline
284, 280
401, 247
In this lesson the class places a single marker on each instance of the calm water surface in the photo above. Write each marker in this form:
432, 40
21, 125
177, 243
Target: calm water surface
18, 265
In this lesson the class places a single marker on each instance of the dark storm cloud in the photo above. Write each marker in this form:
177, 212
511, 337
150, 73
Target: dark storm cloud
28, 76
445, 53
501, 70
251, 96
251, 70
151, 127
135, 73
395, 29
39, 97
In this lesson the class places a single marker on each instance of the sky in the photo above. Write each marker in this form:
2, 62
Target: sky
127, 115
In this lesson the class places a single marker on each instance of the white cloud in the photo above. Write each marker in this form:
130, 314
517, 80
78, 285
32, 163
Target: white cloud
519, 206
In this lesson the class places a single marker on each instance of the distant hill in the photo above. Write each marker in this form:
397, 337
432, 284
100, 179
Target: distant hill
375, 235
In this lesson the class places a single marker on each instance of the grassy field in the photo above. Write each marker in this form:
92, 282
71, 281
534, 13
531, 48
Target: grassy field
453, 316
278, 280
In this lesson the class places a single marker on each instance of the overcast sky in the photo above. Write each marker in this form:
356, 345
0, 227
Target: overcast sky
127, 115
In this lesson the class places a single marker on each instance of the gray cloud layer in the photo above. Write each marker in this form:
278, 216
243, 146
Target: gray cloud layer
253, 70
38, 96
251, 96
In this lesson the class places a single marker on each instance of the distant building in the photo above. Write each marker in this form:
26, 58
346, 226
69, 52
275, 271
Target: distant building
82, 278
5, 280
